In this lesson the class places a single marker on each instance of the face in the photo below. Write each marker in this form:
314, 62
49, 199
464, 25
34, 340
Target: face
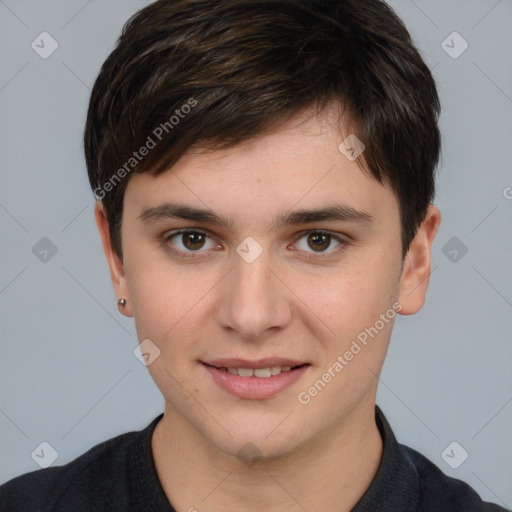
296, 261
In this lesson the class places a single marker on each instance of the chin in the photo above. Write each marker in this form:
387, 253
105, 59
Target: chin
263, 442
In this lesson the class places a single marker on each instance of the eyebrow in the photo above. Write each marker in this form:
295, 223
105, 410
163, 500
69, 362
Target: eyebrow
337, 212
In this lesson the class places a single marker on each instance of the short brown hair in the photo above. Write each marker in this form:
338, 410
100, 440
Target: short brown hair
244, 65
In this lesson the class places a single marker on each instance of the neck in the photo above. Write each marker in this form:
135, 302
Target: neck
332, 471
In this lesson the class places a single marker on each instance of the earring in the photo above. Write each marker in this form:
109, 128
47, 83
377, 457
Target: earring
121, 302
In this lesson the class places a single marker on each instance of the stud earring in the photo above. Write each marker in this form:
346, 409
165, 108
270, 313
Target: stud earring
121, 302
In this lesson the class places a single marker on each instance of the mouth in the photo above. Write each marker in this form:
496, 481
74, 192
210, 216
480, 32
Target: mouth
260, 372
255, 379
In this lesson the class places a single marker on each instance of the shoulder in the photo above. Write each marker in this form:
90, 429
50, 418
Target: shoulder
438, 492
94, 478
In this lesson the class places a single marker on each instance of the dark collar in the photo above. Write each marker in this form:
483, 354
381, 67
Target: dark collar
396, 484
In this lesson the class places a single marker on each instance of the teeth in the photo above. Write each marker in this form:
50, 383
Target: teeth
275, 370
262, 373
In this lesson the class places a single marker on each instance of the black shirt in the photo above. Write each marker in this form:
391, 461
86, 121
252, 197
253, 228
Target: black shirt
119, 475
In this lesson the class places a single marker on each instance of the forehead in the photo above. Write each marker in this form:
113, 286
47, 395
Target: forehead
297, 165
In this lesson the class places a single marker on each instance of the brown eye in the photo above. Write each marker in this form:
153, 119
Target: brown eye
319, 241
189, 241
193, 240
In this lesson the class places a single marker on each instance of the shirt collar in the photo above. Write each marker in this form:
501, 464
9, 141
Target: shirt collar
396, 484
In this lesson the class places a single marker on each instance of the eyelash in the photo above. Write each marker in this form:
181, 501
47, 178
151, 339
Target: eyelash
313, 256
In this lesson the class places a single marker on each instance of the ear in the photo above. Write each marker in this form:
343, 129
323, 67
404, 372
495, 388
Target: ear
117, 273
417, 265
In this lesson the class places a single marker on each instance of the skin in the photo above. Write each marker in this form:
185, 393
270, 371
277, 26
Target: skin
319, 456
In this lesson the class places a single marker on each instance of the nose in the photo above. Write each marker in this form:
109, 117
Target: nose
254, 298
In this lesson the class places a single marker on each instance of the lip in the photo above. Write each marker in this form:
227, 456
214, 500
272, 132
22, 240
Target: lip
254, 388
266, 362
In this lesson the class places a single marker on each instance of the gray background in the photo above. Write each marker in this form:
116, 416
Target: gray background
68, 373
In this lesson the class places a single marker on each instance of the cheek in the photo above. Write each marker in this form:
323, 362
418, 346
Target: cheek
156, 294
353, 299
168, 301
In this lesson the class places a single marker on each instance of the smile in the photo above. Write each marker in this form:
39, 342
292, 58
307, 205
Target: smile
255, 383
261, 373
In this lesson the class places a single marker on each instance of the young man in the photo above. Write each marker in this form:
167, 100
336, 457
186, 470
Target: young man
264, 172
